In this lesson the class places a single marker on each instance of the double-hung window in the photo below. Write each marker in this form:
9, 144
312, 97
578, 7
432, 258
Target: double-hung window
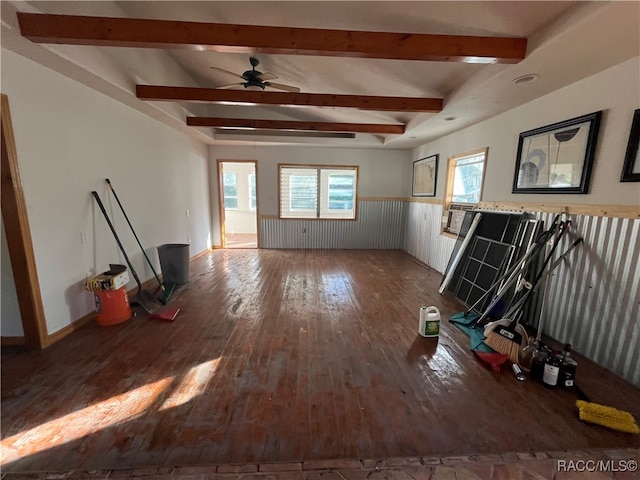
318, 191
465, 178
230, 185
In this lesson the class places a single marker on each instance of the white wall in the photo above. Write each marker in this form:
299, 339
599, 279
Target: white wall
11, 320
381, 173
616, 91
69, 139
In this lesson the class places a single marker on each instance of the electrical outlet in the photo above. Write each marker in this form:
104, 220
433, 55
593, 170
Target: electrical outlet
188, 238
187, 213
83, 238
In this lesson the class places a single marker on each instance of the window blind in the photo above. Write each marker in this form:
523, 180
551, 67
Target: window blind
318, 192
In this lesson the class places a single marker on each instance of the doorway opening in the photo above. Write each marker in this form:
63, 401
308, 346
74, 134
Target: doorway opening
238, 199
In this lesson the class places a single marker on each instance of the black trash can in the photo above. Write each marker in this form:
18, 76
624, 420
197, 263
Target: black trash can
174, 262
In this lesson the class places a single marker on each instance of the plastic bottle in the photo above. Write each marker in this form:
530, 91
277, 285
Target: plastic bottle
568, 368
551, 370
429, 322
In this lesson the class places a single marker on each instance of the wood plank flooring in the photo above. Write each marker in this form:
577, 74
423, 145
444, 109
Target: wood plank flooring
285, 355
241, 240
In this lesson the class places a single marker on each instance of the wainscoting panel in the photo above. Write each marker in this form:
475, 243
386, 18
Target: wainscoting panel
380, 225
593, 301
423, 239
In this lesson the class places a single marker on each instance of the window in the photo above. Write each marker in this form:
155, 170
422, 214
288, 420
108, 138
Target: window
252, 191
230, 184
465, 177
318, 192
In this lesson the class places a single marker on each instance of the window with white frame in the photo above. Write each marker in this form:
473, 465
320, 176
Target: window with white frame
318, 191
465, 178
252, 191
230, 186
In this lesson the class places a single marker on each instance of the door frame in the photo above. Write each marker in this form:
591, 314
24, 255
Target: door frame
16, 222
221, 216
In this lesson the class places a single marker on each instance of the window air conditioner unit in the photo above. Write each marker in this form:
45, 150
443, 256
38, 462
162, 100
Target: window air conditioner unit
456, 215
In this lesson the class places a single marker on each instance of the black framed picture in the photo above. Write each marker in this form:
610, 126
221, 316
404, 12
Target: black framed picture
631, 168
425, 173
557, 158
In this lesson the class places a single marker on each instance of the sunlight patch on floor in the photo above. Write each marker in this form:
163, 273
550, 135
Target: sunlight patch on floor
81, 423
192, 385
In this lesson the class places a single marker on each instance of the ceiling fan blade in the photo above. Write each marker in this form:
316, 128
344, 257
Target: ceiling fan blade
229, 85
263, 77
280, 86
228, 72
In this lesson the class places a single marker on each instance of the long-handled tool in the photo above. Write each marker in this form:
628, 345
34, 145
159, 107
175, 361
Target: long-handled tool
167, 289
514, 272
541, 282
143, 298
503, 335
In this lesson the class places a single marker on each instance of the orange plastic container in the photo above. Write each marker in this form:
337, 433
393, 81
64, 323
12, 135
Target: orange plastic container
112, 307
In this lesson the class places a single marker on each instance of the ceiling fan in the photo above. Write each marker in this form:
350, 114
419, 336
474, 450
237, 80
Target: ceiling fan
256, 80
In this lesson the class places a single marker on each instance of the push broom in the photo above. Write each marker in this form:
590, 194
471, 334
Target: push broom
167, 289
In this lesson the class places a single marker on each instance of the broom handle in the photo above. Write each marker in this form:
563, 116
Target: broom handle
115, 235
134, 233
543, 279
542, 240
526, 259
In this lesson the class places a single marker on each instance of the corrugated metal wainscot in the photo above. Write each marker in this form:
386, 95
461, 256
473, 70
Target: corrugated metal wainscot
380, 225
423, 239
593, 301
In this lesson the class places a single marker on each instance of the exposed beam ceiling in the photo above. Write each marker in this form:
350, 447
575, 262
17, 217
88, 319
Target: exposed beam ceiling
248, 123
219, 37
286, 99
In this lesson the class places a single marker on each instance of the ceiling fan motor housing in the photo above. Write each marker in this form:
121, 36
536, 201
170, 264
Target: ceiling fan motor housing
252, 77
254, 85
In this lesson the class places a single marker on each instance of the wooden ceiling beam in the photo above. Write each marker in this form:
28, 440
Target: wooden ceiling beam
220, 37
249, 123
287, 99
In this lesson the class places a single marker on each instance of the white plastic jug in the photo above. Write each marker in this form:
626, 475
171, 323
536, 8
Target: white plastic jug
429, 325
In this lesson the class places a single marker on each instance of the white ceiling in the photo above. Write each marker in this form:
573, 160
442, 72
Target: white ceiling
567, 41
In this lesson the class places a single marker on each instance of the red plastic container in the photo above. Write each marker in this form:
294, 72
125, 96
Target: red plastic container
112, 307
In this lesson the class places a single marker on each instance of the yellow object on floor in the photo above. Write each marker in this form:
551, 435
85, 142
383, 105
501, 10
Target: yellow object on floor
607, 416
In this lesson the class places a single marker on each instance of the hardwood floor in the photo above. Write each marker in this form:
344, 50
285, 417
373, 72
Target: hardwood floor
283, 355
241, 240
